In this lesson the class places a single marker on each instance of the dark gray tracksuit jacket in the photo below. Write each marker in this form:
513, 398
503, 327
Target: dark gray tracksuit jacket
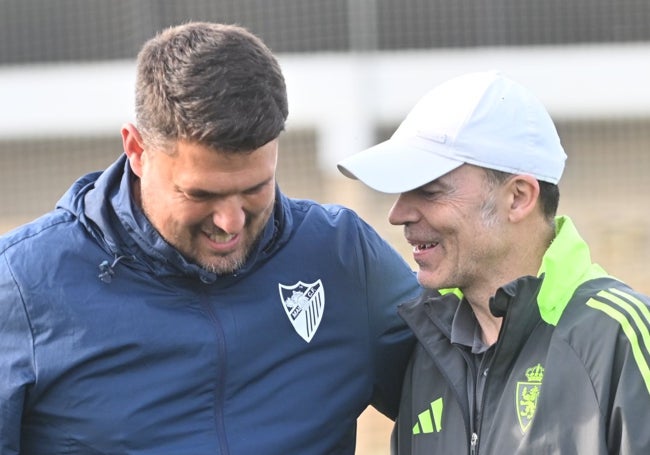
569, 373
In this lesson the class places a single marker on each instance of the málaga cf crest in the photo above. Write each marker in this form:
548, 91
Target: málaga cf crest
304, 305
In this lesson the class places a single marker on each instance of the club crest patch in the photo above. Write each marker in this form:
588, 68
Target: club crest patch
304, 304
527, 395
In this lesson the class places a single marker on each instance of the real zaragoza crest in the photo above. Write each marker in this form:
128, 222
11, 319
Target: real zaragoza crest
527, 395
304, 305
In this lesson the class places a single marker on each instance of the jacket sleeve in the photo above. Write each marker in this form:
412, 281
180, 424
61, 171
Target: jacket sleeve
627, 432
390, 281
16, 360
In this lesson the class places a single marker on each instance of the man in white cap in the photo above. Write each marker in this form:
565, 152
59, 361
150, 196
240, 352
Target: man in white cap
529, 348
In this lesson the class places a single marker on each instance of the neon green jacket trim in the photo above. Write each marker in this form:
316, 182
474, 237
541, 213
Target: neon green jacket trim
565, 266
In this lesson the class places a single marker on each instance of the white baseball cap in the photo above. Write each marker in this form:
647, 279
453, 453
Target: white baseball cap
483, 118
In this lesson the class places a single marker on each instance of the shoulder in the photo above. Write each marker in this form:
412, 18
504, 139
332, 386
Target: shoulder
337, 218
345, 235
606, 301
335, 212
607, 319
614, 306
40, 247
44, 228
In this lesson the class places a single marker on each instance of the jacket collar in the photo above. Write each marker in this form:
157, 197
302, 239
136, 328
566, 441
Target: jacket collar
565, 266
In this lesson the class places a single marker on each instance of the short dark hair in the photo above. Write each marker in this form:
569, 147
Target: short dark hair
549, 193
210, 83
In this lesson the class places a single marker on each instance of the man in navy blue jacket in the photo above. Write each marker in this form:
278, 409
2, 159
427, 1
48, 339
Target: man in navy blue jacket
179, 303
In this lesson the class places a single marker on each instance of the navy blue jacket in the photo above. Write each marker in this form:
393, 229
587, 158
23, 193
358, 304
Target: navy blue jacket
112, 343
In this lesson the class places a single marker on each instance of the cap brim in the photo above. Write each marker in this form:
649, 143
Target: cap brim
396, 166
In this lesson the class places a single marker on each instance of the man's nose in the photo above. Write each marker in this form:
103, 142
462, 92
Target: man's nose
402, 211
229, 216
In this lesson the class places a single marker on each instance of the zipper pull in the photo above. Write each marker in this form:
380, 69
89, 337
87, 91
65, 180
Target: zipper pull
473, 443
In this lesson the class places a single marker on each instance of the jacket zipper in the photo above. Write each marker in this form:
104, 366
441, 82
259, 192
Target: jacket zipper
473, 441
497, 346
220, 385
475, 425
473, 444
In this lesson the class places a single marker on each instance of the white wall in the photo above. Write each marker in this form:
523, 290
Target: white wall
341, 95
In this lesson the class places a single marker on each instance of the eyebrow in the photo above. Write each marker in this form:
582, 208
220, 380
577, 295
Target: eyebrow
437, 184
200, 193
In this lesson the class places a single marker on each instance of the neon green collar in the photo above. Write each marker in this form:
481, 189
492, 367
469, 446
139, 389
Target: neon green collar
566, 265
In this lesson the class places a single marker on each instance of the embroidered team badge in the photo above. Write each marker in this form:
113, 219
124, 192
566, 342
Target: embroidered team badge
304, 304
527, 395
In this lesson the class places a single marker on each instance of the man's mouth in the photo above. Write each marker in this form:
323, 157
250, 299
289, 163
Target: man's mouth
424, 246
221, 237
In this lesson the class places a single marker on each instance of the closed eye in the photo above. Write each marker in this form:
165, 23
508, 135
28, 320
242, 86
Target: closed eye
256, 189
198, 196
430, 195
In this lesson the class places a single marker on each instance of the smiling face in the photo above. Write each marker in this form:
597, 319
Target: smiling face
456, 227
211, 206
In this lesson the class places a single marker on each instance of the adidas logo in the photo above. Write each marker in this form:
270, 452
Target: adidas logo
430, 421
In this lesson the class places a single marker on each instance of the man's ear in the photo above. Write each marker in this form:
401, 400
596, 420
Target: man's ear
133, 147
524, 192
